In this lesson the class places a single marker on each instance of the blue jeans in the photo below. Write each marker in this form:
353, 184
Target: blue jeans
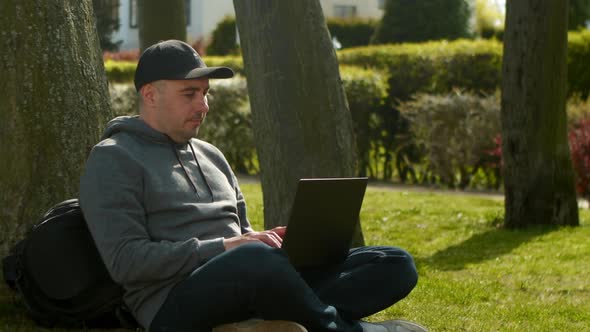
257, 281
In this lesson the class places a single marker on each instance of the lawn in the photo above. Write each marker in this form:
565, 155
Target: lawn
474, 276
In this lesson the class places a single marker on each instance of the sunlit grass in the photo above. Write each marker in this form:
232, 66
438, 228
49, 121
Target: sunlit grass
473, 275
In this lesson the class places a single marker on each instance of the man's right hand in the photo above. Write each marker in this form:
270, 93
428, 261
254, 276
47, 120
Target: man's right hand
269, 237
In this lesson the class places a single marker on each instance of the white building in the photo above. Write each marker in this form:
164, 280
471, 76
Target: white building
203, 16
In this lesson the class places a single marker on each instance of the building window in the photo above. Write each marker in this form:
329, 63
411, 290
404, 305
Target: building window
344, 11
133, 13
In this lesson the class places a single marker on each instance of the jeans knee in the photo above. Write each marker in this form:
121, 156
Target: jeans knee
407, 274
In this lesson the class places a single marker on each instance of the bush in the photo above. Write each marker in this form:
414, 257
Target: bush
432, 67
579, 13
456, 132
417, 21
229, 124
578, 55
224, 38
471, 65
579, 142
577, 108
124, 71
489, 20
234, 62
365, 91
120, 71
123, 99
106, 24
350, 33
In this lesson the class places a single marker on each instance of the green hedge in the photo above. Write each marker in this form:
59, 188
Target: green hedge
234, 62
578, 62
441, 66
366, 91
123, 71
432, 67
120, 71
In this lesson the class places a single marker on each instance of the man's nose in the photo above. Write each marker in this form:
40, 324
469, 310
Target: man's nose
202, 105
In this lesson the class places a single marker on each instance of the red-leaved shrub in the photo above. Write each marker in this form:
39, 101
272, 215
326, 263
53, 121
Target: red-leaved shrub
129, 55
579, 141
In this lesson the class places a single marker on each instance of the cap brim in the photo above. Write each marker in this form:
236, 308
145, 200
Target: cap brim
210, 72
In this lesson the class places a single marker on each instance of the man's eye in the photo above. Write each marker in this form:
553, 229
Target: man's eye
190, 95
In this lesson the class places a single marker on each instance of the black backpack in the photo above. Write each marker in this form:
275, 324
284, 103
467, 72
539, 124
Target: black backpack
58, 274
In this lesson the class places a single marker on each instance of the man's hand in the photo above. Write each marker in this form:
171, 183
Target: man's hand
273, 238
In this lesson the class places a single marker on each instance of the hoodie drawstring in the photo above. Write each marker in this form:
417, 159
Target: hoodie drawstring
190, 180
200, 170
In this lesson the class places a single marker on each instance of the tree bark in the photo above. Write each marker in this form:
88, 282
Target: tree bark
302, 125
538, 174
160, 20
53, 105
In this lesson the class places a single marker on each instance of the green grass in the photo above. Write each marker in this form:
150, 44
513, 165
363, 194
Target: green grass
473, 275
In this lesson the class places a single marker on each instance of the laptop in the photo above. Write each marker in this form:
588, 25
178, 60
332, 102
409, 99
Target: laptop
324, 216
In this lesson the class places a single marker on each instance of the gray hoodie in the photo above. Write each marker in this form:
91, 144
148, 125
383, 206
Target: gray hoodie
157, 209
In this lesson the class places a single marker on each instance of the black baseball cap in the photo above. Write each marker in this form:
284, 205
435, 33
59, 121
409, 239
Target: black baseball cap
174, 60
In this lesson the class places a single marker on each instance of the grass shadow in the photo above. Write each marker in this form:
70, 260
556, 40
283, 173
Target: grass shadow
484, 246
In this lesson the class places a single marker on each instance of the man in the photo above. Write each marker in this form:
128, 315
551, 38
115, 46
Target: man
169, 221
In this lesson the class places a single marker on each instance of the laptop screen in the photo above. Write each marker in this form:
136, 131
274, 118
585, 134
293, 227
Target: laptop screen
323, 219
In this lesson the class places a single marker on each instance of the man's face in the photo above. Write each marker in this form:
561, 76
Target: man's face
181, 107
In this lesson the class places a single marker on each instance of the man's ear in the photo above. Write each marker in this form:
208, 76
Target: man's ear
149, 94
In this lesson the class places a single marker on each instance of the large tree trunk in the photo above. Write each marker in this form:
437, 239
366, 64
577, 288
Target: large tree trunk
538, 174
160, 20
302, 125
53, 105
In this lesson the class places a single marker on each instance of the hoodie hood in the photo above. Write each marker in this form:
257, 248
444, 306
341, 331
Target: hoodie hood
134, 125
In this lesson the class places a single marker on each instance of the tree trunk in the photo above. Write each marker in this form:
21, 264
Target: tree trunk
54, 104
302, 125
160, 20
538, 174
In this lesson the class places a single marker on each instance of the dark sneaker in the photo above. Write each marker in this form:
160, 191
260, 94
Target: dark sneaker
396, 325
259, 325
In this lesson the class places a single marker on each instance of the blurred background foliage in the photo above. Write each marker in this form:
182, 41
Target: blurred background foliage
424, 100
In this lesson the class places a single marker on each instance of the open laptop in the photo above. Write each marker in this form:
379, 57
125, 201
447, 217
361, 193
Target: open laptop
323, 219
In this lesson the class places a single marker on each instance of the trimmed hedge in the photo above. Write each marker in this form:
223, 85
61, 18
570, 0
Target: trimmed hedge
123, 71
441, 66
365, 91
578, 54
234, 62
433, 67
120, 71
